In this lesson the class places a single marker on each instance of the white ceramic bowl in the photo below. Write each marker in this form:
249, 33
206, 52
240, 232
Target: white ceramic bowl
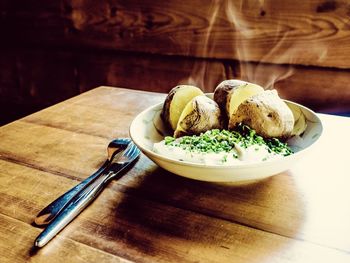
147, 128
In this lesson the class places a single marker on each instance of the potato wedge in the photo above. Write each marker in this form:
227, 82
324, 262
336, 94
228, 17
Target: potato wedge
199, 115
300, 123
267, 114
175, 102
229, 94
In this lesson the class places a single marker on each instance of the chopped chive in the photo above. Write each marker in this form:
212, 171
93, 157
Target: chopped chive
224, 141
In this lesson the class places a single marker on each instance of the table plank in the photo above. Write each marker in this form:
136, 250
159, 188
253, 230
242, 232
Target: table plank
51, 149
278, 205
108, 118
17, 239
255, 206
151, 215
132, 227
307, 202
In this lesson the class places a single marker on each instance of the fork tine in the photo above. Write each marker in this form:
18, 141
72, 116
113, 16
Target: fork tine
137, 150
132, 151
129, 151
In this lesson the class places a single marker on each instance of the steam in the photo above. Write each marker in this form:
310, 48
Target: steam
244, 27
200, 69
254, 72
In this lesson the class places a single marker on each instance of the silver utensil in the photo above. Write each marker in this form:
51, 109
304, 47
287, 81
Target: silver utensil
85, 197
46, 215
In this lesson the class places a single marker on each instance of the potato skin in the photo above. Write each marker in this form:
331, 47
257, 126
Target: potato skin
205, 115
267, 114
176, 100
222, 93
165, 114
230, 93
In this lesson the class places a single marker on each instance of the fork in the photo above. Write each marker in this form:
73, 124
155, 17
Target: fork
114, 149
86, 196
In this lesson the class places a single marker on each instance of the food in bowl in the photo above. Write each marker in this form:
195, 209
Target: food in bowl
175, 102
148, 128
262, 110
200, 115
223, 147
229, 94
267, 114
243, 123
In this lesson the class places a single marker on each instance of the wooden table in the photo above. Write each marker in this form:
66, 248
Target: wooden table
150, 215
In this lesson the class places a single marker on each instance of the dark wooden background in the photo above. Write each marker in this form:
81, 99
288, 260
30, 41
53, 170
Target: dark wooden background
52, 50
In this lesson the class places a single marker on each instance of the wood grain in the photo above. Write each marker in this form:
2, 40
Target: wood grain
304, 32
323, 90
136, 228
148, 72
86, 109
150, 215
26, 87
188, 189
65, 250
53, 51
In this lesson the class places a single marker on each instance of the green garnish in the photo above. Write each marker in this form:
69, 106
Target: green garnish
278, 147
224, 141
224, 159
169, 140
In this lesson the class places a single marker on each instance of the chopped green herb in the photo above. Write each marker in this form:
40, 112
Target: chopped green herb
224, 141
169, 140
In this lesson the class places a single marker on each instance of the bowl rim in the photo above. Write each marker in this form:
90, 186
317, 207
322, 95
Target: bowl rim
219, 166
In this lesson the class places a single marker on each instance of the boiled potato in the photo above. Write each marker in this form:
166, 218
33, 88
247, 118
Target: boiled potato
300, 124
199, 115
266, 113
176, 101
229, 94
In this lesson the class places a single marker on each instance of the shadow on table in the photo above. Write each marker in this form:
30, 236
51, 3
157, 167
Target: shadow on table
162, 209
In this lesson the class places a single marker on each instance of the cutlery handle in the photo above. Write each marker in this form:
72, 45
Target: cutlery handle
51, 211
73, 209
84, 198
78, 204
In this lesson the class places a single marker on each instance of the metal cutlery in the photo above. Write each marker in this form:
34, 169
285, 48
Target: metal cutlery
46, 215
86, 196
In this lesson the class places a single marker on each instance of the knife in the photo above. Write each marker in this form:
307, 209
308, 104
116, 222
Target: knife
84, 198
114, 150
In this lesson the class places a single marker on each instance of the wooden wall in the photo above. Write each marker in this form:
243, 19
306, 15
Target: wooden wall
52, 50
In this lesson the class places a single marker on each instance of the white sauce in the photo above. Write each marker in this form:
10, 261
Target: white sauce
251, 154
